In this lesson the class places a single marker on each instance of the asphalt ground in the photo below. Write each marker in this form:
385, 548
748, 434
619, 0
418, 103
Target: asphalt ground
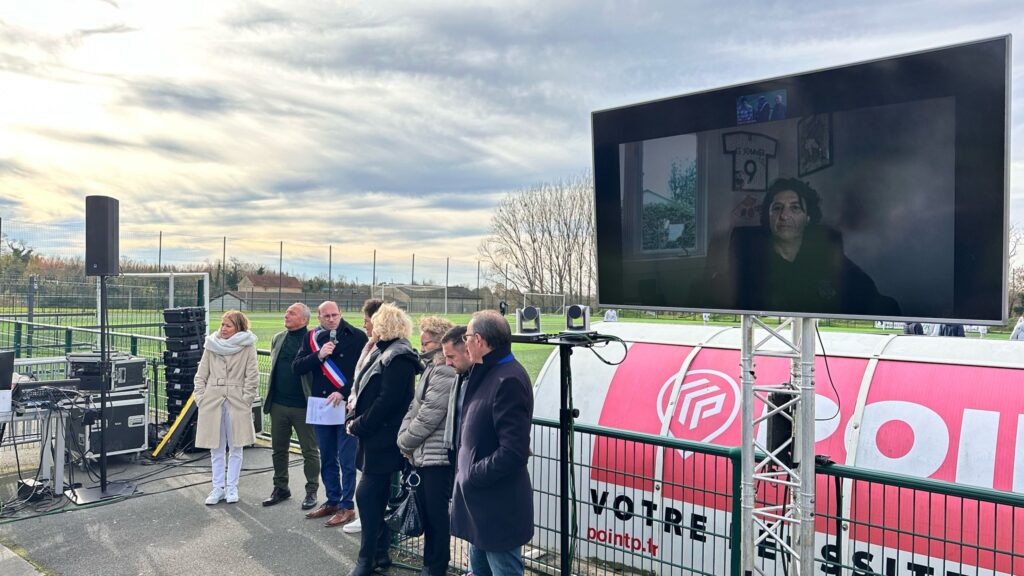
165, 529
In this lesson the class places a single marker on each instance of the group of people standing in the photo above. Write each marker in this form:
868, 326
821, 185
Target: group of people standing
459, 412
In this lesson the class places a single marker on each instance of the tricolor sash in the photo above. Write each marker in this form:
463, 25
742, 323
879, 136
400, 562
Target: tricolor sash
328, 367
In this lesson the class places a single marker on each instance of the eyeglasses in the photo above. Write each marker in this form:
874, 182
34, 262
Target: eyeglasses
465, 337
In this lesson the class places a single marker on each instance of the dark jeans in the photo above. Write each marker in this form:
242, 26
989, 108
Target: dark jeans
282, 420
433, 494
337, 454
372, 497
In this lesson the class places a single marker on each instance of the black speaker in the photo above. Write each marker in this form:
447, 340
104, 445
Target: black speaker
780, 428
6, 368
102, 254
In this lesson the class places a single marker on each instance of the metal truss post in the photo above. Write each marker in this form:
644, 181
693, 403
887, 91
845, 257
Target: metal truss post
747, 438
781, 516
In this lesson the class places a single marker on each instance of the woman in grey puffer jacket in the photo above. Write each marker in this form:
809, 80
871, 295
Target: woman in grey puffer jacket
421, 439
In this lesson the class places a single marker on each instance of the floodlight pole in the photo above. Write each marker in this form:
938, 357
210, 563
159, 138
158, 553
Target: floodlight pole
786, 526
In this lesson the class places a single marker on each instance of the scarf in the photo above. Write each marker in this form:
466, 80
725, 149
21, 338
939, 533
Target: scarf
229, 346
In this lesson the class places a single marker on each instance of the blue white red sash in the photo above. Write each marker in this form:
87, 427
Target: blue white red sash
328, 367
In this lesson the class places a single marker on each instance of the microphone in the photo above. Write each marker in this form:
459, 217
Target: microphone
334, 336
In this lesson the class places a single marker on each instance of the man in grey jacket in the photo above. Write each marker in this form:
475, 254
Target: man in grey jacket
421, 438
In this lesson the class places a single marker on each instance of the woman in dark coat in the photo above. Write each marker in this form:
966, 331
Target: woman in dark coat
384, 395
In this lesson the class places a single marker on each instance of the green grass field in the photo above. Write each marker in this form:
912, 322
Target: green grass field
266, 324
532, 356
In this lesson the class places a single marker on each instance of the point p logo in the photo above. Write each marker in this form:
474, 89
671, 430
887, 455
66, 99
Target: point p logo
705, 404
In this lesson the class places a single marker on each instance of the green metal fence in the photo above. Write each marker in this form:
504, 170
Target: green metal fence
636, 514
883, 524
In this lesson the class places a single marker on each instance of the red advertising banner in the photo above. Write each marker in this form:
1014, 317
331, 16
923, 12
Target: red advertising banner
954, 423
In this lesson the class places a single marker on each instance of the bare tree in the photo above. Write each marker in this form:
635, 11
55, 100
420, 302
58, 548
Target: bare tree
1016, 272
542, 239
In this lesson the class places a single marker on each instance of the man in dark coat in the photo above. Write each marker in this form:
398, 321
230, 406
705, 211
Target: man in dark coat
492, 503
329, 353
285, 403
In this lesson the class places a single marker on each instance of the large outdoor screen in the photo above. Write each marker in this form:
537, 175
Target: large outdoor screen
876, 190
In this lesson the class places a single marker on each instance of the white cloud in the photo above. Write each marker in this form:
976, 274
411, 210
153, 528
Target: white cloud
262, 120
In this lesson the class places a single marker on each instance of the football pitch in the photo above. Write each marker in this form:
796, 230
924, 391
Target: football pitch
532, 356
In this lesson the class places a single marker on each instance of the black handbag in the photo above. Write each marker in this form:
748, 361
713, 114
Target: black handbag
403, 514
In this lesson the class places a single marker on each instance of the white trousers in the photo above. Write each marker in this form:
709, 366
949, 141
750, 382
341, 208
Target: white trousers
234, 464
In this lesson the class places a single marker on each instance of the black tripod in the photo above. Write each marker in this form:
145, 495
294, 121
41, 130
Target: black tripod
103, 491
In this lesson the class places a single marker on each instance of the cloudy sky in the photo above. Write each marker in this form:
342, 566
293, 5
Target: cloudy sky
389, 125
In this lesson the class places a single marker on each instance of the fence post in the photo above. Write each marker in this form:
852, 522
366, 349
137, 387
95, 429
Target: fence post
31, 304
224, 271
17, 340
134, 344
736, 517
68, 339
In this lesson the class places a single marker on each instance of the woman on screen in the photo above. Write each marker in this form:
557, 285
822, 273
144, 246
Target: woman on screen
225, 386
794, 263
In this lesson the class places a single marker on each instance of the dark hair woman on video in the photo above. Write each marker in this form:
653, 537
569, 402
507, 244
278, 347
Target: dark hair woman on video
794, 263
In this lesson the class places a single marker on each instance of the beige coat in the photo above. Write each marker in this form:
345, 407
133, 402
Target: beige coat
226, 379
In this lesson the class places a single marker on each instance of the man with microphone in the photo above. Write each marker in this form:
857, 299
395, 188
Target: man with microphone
329, 353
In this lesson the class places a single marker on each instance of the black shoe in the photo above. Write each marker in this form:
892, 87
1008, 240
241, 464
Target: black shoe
362, 568
383, 561
278, 495
309, 502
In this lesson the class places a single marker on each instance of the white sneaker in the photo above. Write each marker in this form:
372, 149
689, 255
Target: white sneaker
216, 495
353, 527
232, 495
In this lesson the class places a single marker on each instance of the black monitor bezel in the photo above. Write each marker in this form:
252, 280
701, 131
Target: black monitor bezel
851, 86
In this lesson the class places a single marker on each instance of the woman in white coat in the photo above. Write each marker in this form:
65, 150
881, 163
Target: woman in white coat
225, 386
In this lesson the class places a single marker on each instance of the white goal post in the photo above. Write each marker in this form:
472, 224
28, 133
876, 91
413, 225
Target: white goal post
546, 303
415, 298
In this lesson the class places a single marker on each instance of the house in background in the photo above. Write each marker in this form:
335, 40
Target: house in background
425, 299
350, 299
253, 283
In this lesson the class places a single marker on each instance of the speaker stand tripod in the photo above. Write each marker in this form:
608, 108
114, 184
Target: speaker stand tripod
104, 490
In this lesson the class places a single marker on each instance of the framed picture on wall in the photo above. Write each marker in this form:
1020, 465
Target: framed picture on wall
814, 143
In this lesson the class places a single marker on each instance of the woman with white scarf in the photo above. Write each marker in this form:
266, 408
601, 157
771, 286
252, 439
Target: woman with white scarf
225, 386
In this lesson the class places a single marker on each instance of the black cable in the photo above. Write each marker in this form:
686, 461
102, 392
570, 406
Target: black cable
18, 503
591, 341
572, 475
839, 401
782, 532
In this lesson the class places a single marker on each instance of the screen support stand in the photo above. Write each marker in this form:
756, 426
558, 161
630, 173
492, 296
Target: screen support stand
781, 518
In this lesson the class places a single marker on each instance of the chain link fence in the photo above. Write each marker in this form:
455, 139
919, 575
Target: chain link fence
256, 275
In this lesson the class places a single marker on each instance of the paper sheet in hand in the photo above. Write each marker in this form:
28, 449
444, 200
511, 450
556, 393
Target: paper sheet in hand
320, 411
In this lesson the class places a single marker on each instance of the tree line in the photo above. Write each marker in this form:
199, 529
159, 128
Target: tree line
541, 240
